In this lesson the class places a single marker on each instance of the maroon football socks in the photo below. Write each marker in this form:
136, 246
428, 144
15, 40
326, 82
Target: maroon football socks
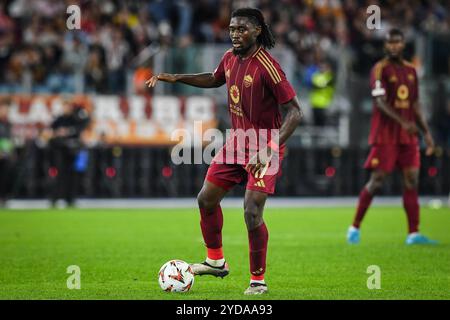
211, 224
411, 205
365, 198
258, 239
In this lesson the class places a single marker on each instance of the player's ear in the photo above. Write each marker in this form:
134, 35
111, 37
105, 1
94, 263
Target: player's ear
258, 30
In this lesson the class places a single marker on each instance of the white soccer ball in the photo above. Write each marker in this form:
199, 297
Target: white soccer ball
176, 276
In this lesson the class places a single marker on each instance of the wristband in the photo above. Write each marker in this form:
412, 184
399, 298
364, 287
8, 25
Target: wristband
272, 145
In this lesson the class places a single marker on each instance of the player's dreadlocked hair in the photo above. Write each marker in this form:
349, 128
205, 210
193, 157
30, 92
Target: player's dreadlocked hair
265, 38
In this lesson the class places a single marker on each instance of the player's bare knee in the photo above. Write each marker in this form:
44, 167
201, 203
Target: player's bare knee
375, 183
252, 214
252, 218
206, 202
411, 181
376, 186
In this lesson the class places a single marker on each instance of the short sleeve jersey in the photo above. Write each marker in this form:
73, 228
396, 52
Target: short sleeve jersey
256, 87
398, 83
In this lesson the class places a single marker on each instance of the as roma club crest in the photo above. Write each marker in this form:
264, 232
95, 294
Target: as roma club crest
393, 79
248, 80
234, 93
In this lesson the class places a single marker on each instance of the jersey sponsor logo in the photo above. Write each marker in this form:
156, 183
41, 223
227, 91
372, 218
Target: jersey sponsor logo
402, 92
401, 104
236, 110
234, 94
248, 80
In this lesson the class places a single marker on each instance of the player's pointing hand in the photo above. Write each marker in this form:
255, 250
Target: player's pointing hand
166, 77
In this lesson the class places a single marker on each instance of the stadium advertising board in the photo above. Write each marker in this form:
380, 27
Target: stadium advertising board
134, 120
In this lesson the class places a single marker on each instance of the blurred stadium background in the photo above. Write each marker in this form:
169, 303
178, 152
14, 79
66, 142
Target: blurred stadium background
102, 68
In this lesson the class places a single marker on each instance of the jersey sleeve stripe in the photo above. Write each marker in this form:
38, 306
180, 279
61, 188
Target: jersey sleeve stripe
276, 74
266, 66
379, 69
271, 65
257, 51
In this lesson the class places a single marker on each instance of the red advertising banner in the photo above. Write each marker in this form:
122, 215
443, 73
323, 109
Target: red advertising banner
130, 120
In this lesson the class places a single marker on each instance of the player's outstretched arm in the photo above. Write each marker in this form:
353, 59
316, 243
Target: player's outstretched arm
422, 123
407, 125
200, 80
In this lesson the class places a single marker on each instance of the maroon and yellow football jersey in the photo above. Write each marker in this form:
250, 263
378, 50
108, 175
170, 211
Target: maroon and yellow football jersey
256, 87
399, 84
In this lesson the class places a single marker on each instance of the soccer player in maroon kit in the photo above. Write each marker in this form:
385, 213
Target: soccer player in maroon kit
393, 135
256, 88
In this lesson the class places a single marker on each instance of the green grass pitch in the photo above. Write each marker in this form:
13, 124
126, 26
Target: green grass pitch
120, 252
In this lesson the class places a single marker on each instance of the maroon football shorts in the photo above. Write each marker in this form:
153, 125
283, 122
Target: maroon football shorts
227, 175
387, 157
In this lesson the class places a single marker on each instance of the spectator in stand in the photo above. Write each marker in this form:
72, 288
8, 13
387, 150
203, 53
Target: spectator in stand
321, 80
7, 29
124, 29
95, 71
66, 146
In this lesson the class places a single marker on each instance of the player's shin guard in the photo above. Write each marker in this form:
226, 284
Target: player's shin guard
365, 199
258, 239
411, 205
211, 224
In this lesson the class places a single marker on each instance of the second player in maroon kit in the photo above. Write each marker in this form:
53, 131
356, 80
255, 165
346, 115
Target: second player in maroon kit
392, 145
257, 87
393, 136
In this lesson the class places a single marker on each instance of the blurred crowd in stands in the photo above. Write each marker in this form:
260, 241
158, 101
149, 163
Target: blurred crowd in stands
36, 46
39, 54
